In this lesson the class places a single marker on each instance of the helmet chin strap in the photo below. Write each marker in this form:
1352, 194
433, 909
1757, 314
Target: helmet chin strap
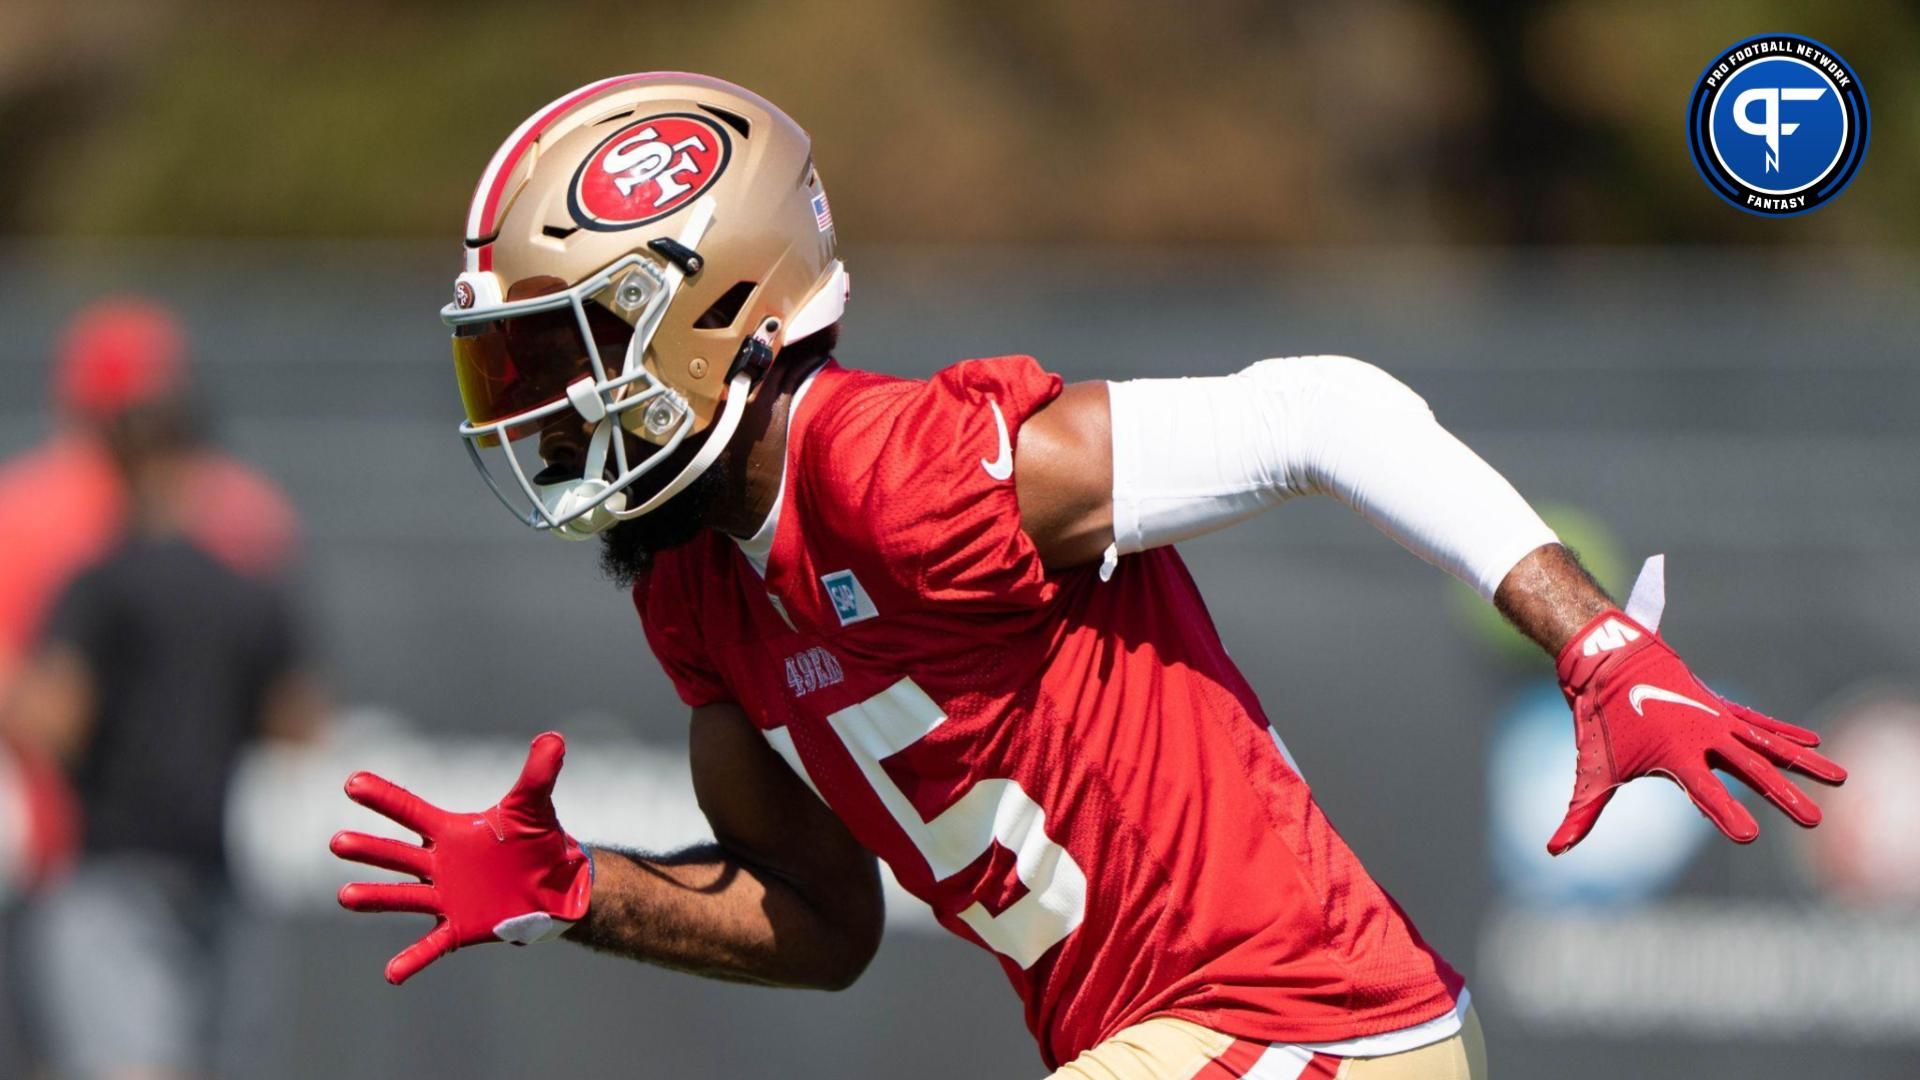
588, 494
717, 439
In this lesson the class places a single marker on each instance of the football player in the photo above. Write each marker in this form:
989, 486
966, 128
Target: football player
942, 623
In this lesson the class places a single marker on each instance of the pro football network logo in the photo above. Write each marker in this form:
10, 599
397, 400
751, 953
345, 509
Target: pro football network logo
1778, 125
647, 170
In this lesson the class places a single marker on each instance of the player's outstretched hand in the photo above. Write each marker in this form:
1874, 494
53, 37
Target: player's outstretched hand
1639, 711
507, 873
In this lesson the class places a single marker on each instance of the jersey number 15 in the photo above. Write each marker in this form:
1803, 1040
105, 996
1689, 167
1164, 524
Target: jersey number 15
992, 810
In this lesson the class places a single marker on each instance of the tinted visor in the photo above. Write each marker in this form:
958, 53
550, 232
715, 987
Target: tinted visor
509, 367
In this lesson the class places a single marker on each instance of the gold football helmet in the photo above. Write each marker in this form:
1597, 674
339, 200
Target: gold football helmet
637, 254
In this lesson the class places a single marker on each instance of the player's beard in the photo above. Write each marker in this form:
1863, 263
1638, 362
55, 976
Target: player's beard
627, 549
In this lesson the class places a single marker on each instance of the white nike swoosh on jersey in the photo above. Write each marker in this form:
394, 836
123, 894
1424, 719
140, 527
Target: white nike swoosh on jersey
1001, 467
1642, 692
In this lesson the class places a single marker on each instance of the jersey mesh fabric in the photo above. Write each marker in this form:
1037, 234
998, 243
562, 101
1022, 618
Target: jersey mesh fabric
1216, 890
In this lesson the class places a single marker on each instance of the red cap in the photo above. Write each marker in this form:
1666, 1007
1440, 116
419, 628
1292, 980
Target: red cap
116, 354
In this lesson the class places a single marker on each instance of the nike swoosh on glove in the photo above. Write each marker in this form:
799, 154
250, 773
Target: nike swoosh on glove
507, 873
1639, 711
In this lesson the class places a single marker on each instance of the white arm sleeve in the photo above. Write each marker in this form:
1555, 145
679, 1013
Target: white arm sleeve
1191, 456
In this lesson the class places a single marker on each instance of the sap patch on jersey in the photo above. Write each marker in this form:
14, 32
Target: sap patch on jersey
850, 602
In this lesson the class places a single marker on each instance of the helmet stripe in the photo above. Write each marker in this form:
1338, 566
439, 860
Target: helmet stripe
493, 182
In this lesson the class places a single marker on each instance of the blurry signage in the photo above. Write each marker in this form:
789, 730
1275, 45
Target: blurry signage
1637, 851
1591, 942
1867, 851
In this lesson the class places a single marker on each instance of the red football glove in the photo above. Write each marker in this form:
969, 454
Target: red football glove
1638, 711
504, 874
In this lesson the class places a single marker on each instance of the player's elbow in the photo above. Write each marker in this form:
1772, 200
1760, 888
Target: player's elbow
837, 962
1336, 381
832, 948
846, 973
858, 942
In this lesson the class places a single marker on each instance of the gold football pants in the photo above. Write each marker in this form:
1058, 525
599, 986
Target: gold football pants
1164, 1048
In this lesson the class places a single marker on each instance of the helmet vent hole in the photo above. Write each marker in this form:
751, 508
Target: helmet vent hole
732, 119
559, 232
605, 120
726, 309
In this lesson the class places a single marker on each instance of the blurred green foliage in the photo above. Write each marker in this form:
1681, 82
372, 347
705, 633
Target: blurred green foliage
1236, 122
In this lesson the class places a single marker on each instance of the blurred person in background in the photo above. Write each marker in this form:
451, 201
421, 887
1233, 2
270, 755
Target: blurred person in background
63, 503
148, 569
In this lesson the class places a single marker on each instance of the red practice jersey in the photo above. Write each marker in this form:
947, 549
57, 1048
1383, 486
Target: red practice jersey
1069, 771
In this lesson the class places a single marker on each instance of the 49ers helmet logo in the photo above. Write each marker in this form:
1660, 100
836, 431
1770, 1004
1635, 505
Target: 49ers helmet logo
647, 170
